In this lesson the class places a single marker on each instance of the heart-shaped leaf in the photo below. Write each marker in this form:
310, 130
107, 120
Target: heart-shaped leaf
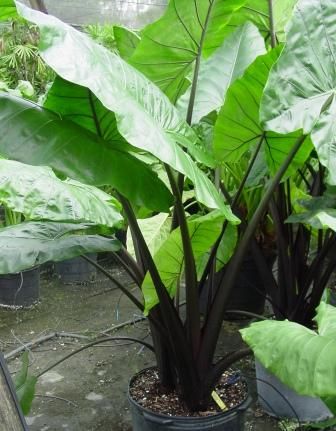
300, 93
170, 46
145, 117
219, 71
36, 136
28, 244
238, 129
39, 195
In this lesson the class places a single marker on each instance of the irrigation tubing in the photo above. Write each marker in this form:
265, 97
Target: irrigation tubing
136, 340
247, 314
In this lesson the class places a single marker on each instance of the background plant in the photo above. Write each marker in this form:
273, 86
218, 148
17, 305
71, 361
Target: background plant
20, 59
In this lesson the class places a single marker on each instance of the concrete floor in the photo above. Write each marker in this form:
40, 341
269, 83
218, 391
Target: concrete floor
88, 391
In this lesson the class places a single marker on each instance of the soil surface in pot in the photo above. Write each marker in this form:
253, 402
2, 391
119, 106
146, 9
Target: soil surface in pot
147, 391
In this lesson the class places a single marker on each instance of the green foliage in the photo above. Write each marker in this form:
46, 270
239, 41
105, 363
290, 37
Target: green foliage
171, 45
219, 71
145, 117
317, 212
126, 41
7, 10
169, 258
301, 358
102, 34
257, 12
39, 195
31, 243
238, 129
118, 126
155, 230
26, 125
300, 90
20, 62
25, 385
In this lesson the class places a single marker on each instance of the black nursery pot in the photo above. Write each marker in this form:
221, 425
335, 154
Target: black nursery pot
146, 420
76, 270
21, 289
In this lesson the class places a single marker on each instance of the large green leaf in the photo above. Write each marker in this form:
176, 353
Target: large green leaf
318, 212
145, 117
257, 12
36, 136
238, 129
25, 385
126, 40
220, 70
155, 231
169, 259
78, 104
7, 10
170, 46
38, 194
300, 93
298, 356
28, 244
225, 250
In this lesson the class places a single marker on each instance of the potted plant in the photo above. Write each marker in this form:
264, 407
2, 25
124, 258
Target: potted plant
18, 289
298, 358
44, 201
305, 245
121, 112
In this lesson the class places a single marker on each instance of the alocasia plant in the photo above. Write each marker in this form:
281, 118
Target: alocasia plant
140, 118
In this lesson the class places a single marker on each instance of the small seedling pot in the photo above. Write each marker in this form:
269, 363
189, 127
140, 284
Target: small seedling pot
146, 420
76, 270
280, 401
21, 289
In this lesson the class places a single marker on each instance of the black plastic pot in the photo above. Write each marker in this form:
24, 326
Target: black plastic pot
278, 400
76, 270
146, 420
248, 293
21, 289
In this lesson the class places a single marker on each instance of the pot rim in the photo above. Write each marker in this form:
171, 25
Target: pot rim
243, 405
33, 268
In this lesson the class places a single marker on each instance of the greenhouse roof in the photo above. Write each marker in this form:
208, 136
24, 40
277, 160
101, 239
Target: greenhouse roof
130, 13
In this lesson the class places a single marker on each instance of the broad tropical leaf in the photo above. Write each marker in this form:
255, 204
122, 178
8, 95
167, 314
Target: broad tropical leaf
127, 40
145, 117
33, 135
7, 10
220, 70
318, 212
298, 356
78, 104
238, 129
170, 46
300, 93
28, 244
224, 252
155, 231
169, 259
257, 12
25, 385
38, 194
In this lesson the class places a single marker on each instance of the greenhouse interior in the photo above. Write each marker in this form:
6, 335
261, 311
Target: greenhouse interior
167, 215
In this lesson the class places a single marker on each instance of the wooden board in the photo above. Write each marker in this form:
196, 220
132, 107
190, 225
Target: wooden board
11, 417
